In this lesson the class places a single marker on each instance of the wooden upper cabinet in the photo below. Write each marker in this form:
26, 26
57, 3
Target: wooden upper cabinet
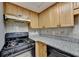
41, 20
54, 16
66, 14
59, 15
26, 13
76, 8
76, 5
10, 9
44, 19
34, 19
19, 11
16, 10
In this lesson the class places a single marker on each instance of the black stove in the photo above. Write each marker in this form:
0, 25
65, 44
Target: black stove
16, 42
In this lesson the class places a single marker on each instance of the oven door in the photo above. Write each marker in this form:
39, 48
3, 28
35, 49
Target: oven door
54, 52
29, 53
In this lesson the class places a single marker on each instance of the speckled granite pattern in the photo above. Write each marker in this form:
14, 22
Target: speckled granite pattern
63, 38
72, 48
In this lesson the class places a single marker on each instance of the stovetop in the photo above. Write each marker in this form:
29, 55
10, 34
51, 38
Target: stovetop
15, 46
15, 42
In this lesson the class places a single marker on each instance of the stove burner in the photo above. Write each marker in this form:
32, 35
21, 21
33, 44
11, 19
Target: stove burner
15, 44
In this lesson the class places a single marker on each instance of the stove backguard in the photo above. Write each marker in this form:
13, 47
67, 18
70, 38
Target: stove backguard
16, 35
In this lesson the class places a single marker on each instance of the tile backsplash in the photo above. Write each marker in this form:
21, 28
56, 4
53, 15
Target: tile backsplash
64, 31
57, 31
15, 26
33, 31
67, 33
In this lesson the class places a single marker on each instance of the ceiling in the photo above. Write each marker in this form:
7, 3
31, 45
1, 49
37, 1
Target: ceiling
35, 6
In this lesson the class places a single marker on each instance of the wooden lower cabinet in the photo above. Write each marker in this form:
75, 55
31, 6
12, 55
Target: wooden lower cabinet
40, 49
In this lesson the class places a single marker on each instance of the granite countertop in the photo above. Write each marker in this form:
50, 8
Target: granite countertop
70, 47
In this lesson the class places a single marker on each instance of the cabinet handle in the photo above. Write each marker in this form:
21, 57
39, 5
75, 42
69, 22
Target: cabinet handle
43, 26
19, 15
59, 25
28, 18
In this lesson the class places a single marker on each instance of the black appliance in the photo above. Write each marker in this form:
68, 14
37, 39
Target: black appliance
17, 43
54, 52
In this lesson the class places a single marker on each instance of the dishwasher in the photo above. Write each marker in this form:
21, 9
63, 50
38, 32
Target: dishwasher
54, 52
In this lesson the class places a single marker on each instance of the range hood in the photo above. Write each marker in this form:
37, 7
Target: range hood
17, 18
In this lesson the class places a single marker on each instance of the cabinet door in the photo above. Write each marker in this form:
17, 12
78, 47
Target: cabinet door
41, 20
66, 14
26, 13
19, 11
34, 20
76, 8
40, 49
76, 5
54, 16
44, 19
10, 9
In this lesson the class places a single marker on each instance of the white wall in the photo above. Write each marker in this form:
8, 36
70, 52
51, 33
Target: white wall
2, 34
16, 26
